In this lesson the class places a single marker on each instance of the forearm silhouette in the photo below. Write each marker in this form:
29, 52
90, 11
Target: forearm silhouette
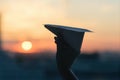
65, 57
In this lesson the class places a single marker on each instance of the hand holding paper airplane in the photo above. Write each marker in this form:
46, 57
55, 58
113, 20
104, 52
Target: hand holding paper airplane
65, 53
65, 57
69, 41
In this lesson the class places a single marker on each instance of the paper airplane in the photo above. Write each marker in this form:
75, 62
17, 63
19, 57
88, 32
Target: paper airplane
73, 36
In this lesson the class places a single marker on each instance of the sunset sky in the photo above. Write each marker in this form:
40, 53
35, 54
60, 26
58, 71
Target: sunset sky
23, 20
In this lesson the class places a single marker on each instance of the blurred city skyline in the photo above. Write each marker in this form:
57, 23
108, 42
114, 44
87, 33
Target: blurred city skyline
23, 20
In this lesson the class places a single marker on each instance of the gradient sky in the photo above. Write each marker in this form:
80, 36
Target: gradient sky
23, 20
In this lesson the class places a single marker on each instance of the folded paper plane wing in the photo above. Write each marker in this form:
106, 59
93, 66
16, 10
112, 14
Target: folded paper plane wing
73, 36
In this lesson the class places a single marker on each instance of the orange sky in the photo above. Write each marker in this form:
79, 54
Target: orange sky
23, 20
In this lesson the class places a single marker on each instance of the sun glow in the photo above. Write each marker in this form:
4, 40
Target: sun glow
26, 45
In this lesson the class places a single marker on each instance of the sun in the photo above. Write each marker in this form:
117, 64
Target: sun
26, 45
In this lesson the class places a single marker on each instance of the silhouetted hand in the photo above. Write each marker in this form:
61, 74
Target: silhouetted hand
65, 57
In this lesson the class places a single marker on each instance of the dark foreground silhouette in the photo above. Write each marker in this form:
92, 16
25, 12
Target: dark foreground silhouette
68, 48
65, 57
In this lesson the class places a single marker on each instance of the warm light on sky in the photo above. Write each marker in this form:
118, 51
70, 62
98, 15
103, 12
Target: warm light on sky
23, 20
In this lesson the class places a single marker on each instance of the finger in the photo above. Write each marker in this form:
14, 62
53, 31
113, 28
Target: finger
58, 39
55, 37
